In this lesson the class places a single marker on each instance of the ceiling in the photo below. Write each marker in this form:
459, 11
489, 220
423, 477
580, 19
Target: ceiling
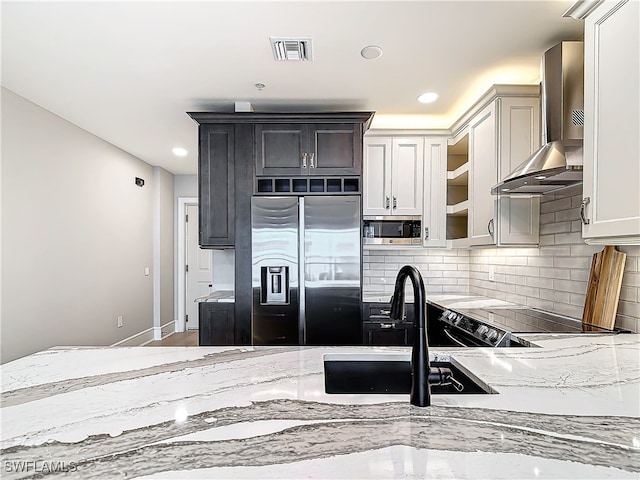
128, 71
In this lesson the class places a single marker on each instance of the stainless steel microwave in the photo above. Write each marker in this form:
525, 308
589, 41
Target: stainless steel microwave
392, 230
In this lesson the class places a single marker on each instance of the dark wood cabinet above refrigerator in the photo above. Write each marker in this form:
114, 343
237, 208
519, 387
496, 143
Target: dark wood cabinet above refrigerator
308, 149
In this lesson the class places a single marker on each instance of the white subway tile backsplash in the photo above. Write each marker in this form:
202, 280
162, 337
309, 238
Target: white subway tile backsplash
540, 261
564, 261
583, 250
555, 205
538, 282
555, 273
528, 291
516, 260
528, 271
561, 227
570, 286
554, 295
568, 238
629, 294
552, 277
631, 279
580, 275
571, 262
576, 299
560, 251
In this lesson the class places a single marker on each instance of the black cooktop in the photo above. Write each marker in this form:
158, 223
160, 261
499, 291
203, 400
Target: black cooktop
528, 320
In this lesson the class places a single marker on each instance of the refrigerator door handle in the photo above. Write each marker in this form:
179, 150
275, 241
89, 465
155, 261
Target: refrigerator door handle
302, 337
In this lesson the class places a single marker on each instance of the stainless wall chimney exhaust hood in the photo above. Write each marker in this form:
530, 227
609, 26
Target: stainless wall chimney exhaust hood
558, 164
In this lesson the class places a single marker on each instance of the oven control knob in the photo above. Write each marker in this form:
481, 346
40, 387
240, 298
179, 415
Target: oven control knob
482, 330
492, 335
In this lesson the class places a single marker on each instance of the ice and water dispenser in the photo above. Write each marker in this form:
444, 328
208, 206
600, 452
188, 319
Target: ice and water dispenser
274, 285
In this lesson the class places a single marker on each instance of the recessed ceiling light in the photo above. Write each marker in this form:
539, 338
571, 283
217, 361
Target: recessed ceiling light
371, 52
179, 152
428, 97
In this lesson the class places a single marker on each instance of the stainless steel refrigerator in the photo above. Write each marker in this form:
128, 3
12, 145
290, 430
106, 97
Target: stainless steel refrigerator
306, 267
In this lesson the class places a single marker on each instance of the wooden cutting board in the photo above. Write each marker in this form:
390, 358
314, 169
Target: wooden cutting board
603, 289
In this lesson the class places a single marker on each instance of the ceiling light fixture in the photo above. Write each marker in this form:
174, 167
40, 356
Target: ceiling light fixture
371, 52
428, 97
179, 151
259, 85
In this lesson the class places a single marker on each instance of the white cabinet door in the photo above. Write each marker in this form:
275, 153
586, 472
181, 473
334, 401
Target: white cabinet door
377, 176
518, 218
434, 218
611, 125
407, 176
483, 169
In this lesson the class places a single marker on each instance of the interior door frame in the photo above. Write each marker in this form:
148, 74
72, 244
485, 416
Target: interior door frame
181, 325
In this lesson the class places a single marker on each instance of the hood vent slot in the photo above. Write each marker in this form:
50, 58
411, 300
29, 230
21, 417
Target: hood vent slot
291, 49
577, 117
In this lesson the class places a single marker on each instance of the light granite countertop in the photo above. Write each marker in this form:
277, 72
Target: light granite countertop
567, 409
219, 296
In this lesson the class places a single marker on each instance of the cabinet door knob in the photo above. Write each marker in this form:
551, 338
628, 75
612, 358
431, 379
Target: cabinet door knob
311, 160
583, 207
386, 202
395, 202
426, 233
304, 160
490, 228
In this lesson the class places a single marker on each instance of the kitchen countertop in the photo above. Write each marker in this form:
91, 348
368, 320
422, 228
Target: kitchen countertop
220, 296
568, 409
444, 300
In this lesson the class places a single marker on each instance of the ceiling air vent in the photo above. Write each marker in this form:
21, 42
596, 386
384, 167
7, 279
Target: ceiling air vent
291, 49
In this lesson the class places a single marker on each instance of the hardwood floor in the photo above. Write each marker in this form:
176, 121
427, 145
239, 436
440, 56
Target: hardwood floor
178, 339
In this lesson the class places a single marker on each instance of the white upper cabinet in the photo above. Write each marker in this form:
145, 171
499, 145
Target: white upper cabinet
517, 217
611, 203
434, 219
393, 176
500, 135
483, 174
376, 174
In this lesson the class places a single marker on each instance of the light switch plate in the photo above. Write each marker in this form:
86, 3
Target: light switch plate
146, 271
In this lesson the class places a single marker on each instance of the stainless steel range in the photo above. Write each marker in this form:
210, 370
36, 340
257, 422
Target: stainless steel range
494, 327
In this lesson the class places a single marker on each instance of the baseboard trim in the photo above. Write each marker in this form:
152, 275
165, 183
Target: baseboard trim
146, 336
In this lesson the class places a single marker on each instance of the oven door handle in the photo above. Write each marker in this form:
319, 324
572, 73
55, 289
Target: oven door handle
454, 339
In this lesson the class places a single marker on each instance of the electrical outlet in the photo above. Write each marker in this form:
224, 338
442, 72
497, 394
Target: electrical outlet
492, 273
120, 321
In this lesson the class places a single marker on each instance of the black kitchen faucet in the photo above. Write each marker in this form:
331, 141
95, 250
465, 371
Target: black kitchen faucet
420, 390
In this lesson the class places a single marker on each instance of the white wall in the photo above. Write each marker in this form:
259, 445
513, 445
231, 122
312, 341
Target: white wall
77, 234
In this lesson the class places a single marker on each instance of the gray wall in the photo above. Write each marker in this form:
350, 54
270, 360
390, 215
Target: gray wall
164, 261
77, 234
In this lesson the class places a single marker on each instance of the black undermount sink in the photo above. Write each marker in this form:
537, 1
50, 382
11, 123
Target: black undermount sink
391, 374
